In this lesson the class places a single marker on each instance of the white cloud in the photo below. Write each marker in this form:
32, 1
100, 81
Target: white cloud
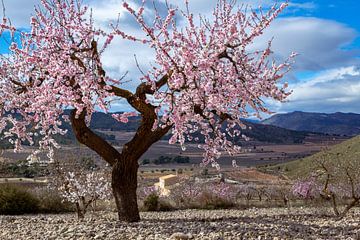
329, 91
319, 42
305, 6
20, 11
205, 7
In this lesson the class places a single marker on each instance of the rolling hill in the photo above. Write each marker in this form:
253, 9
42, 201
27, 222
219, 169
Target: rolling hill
335, 123
349, 150
257, 132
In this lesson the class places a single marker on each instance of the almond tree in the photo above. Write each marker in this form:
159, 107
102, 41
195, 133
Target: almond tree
83, 189
78, 184
206, 76
339, 177
335, 177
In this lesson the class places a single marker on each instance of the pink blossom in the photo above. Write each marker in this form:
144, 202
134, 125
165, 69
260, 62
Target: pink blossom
213, 78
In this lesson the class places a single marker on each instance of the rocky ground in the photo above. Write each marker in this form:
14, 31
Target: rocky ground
274, 223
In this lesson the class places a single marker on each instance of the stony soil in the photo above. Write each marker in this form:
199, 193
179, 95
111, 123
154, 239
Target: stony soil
274, 223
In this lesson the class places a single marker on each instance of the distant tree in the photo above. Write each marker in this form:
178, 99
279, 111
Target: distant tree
145, 161
205, 76
82, 188
335, 177
180, 159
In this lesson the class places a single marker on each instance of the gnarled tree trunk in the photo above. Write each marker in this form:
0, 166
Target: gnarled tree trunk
125, 164
124, 184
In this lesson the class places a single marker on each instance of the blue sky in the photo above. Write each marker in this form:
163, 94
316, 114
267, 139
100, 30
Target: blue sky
342, 11
326, 34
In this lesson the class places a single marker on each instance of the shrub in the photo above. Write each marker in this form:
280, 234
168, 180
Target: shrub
51, 202
180, 159
151, 202
216, 196
15, 200
145, 161
164, 206
210, 201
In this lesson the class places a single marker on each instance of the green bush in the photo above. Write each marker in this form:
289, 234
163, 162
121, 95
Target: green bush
151, 202
15, 200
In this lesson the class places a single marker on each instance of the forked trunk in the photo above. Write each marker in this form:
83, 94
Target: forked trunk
125, 164
124, 184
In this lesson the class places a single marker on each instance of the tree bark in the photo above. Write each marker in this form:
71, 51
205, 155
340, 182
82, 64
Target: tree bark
353, 203
80, 210
124, 184
125, 164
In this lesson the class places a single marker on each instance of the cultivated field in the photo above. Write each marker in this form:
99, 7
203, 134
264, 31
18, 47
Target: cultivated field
271, 223
254, 153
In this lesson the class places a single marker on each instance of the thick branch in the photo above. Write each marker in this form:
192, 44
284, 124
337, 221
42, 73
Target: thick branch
145, 88
87, 137
223, 116
121, 92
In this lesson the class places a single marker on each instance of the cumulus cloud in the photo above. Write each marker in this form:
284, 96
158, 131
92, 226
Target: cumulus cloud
19, 11
319, 42
328, 91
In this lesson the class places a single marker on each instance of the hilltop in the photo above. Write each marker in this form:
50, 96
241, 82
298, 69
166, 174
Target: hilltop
334, 123
290, 128
255, 131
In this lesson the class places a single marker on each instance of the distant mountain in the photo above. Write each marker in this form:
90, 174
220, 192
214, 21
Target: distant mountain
273, 134
255, 131
335, 123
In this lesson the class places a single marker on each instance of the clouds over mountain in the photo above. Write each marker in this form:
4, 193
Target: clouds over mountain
328, 91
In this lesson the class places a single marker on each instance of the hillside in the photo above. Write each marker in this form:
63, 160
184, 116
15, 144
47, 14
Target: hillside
335, 123
301, 168
257, 132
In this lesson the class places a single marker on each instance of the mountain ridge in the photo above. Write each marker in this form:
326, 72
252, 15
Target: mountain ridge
337, 123
256, 131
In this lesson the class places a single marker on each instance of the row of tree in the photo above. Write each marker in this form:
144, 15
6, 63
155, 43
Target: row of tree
166, 160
